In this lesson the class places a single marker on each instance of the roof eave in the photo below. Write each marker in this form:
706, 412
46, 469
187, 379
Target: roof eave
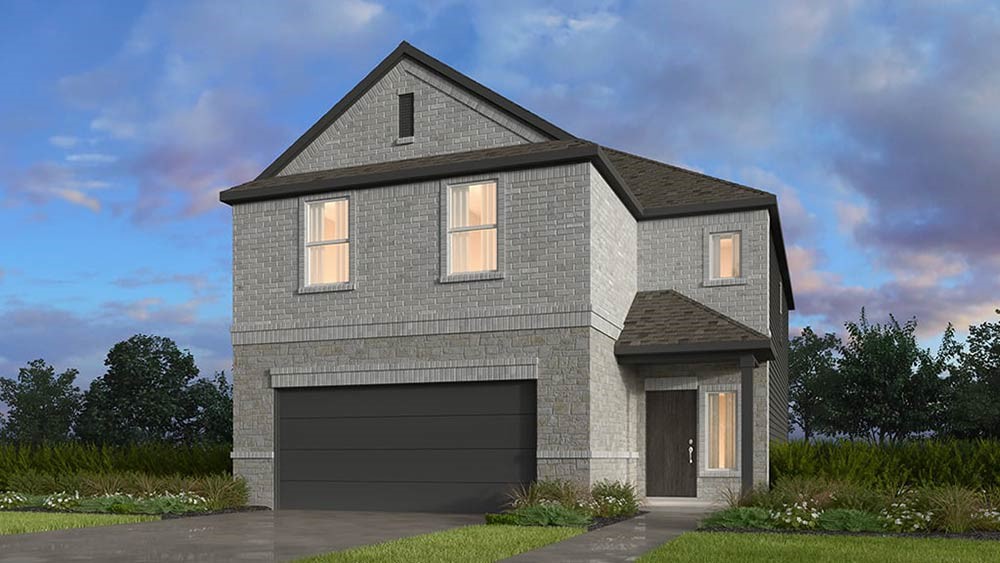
652, 353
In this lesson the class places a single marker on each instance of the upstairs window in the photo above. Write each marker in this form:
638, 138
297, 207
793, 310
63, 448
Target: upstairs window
406, 116
472, 228
725, 255
328, 245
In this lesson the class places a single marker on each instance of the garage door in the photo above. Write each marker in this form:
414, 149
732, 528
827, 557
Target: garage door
443, 447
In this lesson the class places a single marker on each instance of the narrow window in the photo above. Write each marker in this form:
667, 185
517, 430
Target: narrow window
328, 245
405, 115
725, 255
722, 430
472, 228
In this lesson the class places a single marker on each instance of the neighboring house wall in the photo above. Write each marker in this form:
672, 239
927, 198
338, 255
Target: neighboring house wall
614, 389
446, 119
778, 368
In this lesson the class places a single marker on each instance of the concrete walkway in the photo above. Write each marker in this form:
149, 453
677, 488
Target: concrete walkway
246, 536
625, 541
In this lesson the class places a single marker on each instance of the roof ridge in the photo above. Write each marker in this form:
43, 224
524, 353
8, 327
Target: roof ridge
687, 171
724, 317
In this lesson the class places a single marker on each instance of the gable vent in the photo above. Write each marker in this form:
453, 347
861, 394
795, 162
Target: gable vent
406, 115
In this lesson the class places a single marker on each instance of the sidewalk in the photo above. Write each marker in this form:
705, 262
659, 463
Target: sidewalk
625, 541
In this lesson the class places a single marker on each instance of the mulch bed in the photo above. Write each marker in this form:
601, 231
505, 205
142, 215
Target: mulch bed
166, 516
994, 536
602, 522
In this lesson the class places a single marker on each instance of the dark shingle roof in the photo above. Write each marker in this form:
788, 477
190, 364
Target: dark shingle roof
657, 185
665, 321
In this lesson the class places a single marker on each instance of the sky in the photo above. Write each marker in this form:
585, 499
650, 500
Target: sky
877, 124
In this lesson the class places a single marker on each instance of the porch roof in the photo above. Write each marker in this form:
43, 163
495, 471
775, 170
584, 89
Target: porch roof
666, 323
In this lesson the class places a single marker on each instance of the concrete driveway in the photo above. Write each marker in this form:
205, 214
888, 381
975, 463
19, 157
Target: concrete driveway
245, 536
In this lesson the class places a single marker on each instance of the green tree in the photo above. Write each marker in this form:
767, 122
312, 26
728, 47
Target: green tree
812, 366
887, 388
207, 411
42, 405
973, 408
141, 397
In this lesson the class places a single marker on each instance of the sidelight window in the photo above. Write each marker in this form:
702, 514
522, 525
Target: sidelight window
722, 430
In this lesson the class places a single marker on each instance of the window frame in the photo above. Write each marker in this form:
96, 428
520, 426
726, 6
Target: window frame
710, 256
446, 231
304, 244
705, 437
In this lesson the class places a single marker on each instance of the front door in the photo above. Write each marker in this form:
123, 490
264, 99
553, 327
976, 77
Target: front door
671, 452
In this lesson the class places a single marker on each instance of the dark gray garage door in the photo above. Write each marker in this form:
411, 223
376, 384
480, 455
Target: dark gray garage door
443, 447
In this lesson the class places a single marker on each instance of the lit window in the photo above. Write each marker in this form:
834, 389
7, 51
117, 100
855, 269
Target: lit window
722, 430
472, 228
725, 255
328, 246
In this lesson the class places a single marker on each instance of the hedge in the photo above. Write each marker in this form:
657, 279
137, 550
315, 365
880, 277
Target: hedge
151, 459
973, 464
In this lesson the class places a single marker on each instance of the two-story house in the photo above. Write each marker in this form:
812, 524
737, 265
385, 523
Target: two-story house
438, 294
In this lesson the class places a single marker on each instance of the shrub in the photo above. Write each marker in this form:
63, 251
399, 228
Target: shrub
612, 499
12, 500
739, 518
954, 509
567, 494
61, 500
800, 515
73, 458
550, 515
973, 464
901, 516
503, 518
846, 519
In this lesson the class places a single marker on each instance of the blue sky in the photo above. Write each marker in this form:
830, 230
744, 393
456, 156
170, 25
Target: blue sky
877, 124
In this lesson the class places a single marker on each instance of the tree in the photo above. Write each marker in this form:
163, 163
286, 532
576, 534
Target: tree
887, 388
141, 397
973, 409
42, 405
812, 366
207, 411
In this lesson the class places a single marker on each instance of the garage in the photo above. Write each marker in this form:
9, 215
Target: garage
439, 447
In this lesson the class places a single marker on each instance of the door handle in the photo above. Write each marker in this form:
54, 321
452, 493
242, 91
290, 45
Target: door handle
690, 451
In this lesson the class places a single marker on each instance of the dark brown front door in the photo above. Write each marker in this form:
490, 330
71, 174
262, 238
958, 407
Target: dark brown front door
671, 453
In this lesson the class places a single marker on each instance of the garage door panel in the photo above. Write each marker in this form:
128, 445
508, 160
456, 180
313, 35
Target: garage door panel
404, 497
378, 433
441, 447
502, 397
426, 466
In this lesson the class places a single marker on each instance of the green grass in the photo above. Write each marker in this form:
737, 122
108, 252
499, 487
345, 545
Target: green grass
777, 548
468, 544
25, 522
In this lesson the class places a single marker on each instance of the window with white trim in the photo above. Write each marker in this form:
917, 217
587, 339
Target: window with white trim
722, 430
725, 255
327, 242
472, 228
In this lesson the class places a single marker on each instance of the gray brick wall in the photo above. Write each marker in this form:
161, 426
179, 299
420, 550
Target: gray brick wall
778, 368
446, 119
613, 253
672, 255
396, 249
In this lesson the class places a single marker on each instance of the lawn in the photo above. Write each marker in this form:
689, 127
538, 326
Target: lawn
776, 548
24, 522
468, 544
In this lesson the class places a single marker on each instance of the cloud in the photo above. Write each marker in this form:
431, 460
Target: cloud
63, 141
45, 181
91, 158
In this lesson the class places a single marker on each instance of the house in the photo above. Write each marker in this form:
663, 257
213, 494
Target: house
438, 294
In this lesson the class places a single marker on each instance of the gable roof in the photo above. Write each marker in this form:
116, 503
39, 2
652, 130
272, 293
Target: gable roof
668, 322
406, 50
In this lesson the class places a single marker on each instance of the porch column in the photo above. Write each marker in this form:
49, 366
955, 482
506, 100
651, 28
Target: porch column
747, 363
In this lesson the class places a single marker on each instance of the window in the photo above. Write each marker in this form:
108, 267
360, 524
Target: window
328, 246
472, 228
722, 430
405, 115
725, 255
